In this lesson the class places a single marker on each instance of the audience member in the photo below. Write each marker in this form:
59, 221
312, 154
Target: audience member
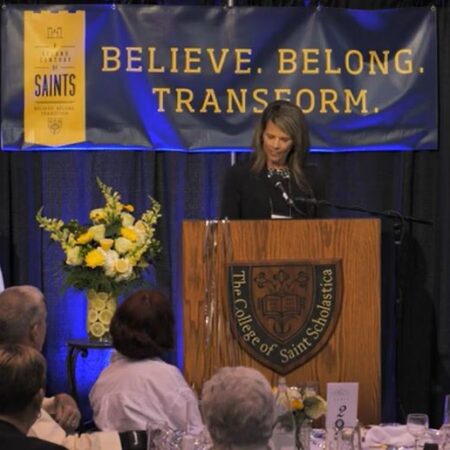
238, 409
138, 387
22, 383
23, 321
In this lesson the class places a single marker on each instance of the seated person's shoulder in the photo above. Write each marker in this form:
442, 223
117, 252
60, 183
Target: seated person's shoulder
168, 369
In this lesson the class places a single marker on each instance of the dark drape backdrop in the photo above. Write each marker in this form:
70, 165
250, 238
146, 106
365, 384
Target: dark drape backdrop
415, 317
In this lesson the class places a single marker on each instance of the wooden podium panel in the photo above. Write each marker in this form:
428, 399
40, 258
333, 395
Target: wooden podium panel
352, 353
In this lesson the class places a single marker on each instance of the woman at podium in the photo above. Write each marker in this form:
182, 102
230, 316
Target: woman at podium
275, 182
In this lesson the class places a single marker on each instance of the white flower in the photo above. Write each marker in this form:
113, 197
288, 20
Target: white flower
140, 226
123, 245
98, 232
124, 269
315, 407
290, 399
111, 257
90, 255
127, 219
141, 236
73, 256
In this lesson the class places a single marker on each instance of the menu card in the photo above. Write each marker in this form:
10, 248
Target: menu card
342, 409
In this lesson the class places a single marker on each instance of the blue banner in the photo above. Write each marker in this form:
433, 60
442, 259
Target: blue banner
195, 78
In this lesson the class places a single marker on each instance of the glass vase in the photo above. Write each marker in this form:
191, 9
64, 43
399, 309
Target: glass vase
100, 309
303, 437
283, 439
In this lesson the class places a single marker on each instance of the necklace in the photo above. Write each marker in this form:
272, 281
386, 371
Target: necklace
282, 173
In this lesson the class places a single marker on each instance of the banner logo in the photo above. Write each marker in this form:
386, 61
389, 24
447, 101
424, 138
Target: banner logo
284, 314
54, 78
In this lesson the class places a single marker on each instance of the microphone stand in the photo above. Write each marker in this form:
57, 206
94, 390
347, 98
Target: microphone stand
399, 221
391, 214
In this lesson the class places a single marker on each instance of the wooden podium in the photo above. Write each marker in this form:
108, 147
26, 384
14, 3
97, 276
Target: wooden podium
351, 353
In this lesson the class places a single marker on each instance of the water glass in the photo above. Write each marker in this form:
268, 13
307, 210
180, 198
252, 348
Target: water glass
445, 428
446, 416
200, 441
161, 437
417, 425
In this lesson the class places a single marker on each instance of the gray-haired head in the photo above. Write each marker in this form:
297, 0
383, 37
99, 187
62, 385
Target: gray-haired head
23, 316
238, 407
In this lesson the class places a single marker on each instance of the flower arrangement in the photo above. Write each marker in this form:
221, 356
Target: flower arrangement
297, 405
110, 253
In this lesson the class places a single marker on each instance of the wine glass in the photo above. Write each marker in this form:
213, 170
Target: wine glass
417, 425
159, 436
445, 428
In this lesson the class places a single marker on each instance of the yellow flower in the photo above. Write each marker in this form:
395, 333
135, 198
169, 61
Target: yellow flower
97, 215
106, 244
73, 256
85, 238
95, 258
296, 403
98, 232
123, 245
129, 233
115, 243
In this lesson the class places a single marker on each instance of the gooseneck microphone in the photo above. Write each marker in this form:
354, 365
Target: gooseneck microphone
279, 185
284, 194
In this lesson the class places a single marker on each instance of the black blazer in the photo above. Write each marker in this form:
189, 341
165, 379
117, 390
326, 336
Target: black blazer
13, 439
250, 195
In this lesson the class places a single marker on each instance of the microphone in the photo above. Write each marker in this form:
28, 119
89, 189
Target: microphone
284, 194
311, 200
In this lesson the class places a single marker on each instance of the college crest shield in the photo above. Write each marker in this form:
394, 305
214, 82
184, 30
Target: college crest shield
284, 313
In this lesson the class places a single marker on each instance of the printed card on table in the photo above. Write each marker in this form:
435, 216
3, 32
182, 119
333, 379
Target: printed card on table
342, 409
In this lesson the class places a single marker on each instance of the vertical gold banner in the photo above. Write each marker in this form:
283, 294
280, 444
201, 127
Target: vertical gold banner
54, 78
